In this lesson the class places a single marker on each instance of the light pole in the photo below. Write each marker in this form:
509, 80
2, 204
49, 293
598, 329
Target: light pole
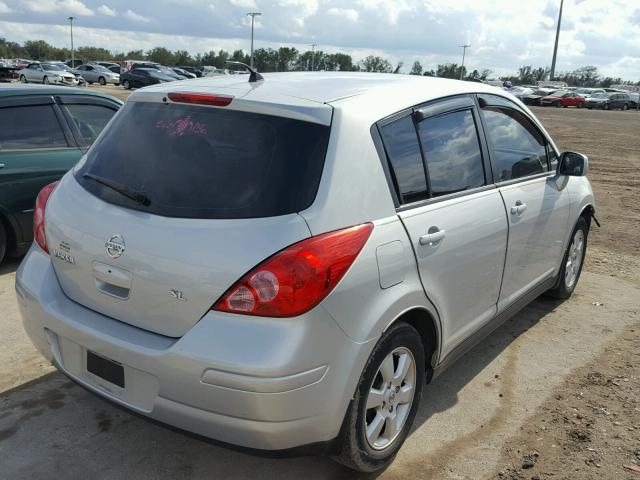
73, 63
464, 50
253, 16
555, 47
313, 56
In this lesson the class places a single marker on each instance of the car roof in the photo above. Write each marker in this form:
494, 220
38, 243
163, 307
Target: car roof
19, 89
384, 94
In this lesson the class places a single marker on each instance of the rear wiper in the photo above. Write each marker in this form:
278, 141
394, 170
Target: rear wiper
137, 197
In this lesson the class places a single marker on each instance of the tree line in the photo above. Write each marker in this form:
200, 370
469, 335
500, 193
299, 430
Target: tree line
285, 59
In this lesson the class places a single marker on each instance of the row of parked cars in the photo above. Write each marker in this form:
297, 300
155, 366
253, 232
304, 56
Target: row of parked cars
129, 74
599, 98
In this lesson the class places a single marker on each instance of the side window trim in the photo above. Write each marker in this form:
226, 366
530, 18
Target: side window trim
506, 104
388, 172
464, 102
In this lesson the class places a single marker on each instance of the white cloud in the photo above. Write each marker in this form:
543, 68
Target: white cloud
131, 15
106, 10
75, 7
348, 13
4, 8
251, 4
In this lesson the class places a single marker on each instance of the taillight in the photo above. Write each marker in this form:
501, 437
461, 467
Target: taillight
38, 215
200, 98
298, 278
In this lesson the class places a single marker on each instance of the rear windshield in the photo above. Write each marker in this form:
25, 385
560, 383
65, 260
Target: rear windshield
203, 162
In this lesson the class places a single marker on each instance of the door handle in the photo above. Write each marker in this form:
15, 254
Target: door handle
519, 208
432, 238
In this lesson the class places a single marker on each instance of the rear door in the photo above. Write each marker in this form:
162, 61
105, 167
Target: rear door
454, 217
536, 201
36, 148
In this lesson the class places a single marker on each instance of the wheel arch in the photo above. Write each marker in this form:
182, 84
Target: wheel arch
11, 229
428, 327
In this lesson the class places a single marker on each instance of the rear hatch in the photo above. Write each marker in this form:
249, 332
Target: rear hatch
174, 203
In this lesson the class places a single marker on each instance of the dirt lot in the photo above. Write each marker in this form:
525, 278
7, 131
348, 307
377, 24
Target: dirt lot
551, 394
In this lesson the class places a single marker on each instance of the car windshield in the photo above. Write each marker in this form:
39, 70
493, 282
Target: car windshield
558, 93
202, 162
100, 68
600, 95
52, 67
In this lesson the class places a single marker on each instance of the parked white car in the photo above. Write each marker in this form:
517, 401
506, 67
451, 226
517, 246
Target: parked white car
47, 73
283, 263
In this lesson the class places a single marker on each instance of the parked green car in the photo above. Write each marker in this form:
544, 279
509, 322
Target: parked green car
44, 130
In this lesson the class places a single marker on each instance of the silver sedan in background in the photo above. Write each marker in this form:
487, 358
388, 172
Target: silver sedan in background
98, 74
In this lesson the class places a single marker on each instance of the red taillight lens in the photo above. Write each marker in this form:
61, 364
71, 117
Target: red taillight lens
201, 98
38, 215
299, 277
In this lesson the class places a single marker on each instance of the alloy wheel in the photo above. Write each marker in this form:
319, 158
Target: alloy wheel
574, 259
390, 398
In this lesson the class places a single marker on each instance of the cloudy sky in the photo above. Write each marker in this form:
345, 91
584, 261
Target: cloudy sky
503, 34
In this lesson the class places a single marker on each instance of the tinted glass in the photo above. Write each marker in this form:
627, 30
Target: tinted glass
202, 162
452, 151
519, 150
401, 142
30, 127
90, 120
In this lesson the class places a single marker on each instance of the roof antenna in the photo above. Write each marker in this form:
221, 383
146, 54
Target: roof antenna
254, 75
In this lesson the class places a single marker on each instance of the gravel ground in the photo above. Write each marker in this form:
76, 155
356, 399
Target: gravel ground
551, 394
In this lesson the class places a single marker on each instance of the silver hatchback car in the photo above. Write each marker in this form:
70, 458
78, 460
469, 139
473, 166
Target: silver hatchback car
282, 264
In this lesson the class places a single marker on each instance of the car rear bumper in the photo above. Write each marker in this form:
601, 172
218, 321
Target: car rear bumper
268, 384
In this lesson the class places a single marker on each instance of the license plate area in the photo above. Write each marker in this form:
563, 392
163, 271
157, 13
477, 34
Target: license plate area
106, 369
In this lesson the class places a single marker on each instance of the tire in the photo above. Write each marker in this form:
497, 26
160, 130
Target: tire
45, 81
369, 453
3, 241
558, 104
605, 106
23, 79
102, 81
567, 283
625, 107
579, 105
90, 83
126, 84
116, 84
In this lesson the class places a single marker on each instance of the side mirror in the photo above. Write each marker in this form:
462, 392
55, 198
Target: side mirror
573, 164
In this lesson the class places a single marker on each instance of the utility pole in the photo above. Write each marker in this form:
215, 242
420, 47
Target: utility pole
555, 47
313, 56
73, 63
464, 50
253, 16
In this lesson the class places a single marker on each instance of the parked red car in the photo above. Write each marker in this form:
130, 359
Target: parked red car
563, 98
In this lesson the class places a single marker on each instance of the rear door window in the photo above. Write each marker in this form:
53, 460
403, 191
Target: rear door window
403, 151
90, 120
203, 162
452, 152
32, 126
